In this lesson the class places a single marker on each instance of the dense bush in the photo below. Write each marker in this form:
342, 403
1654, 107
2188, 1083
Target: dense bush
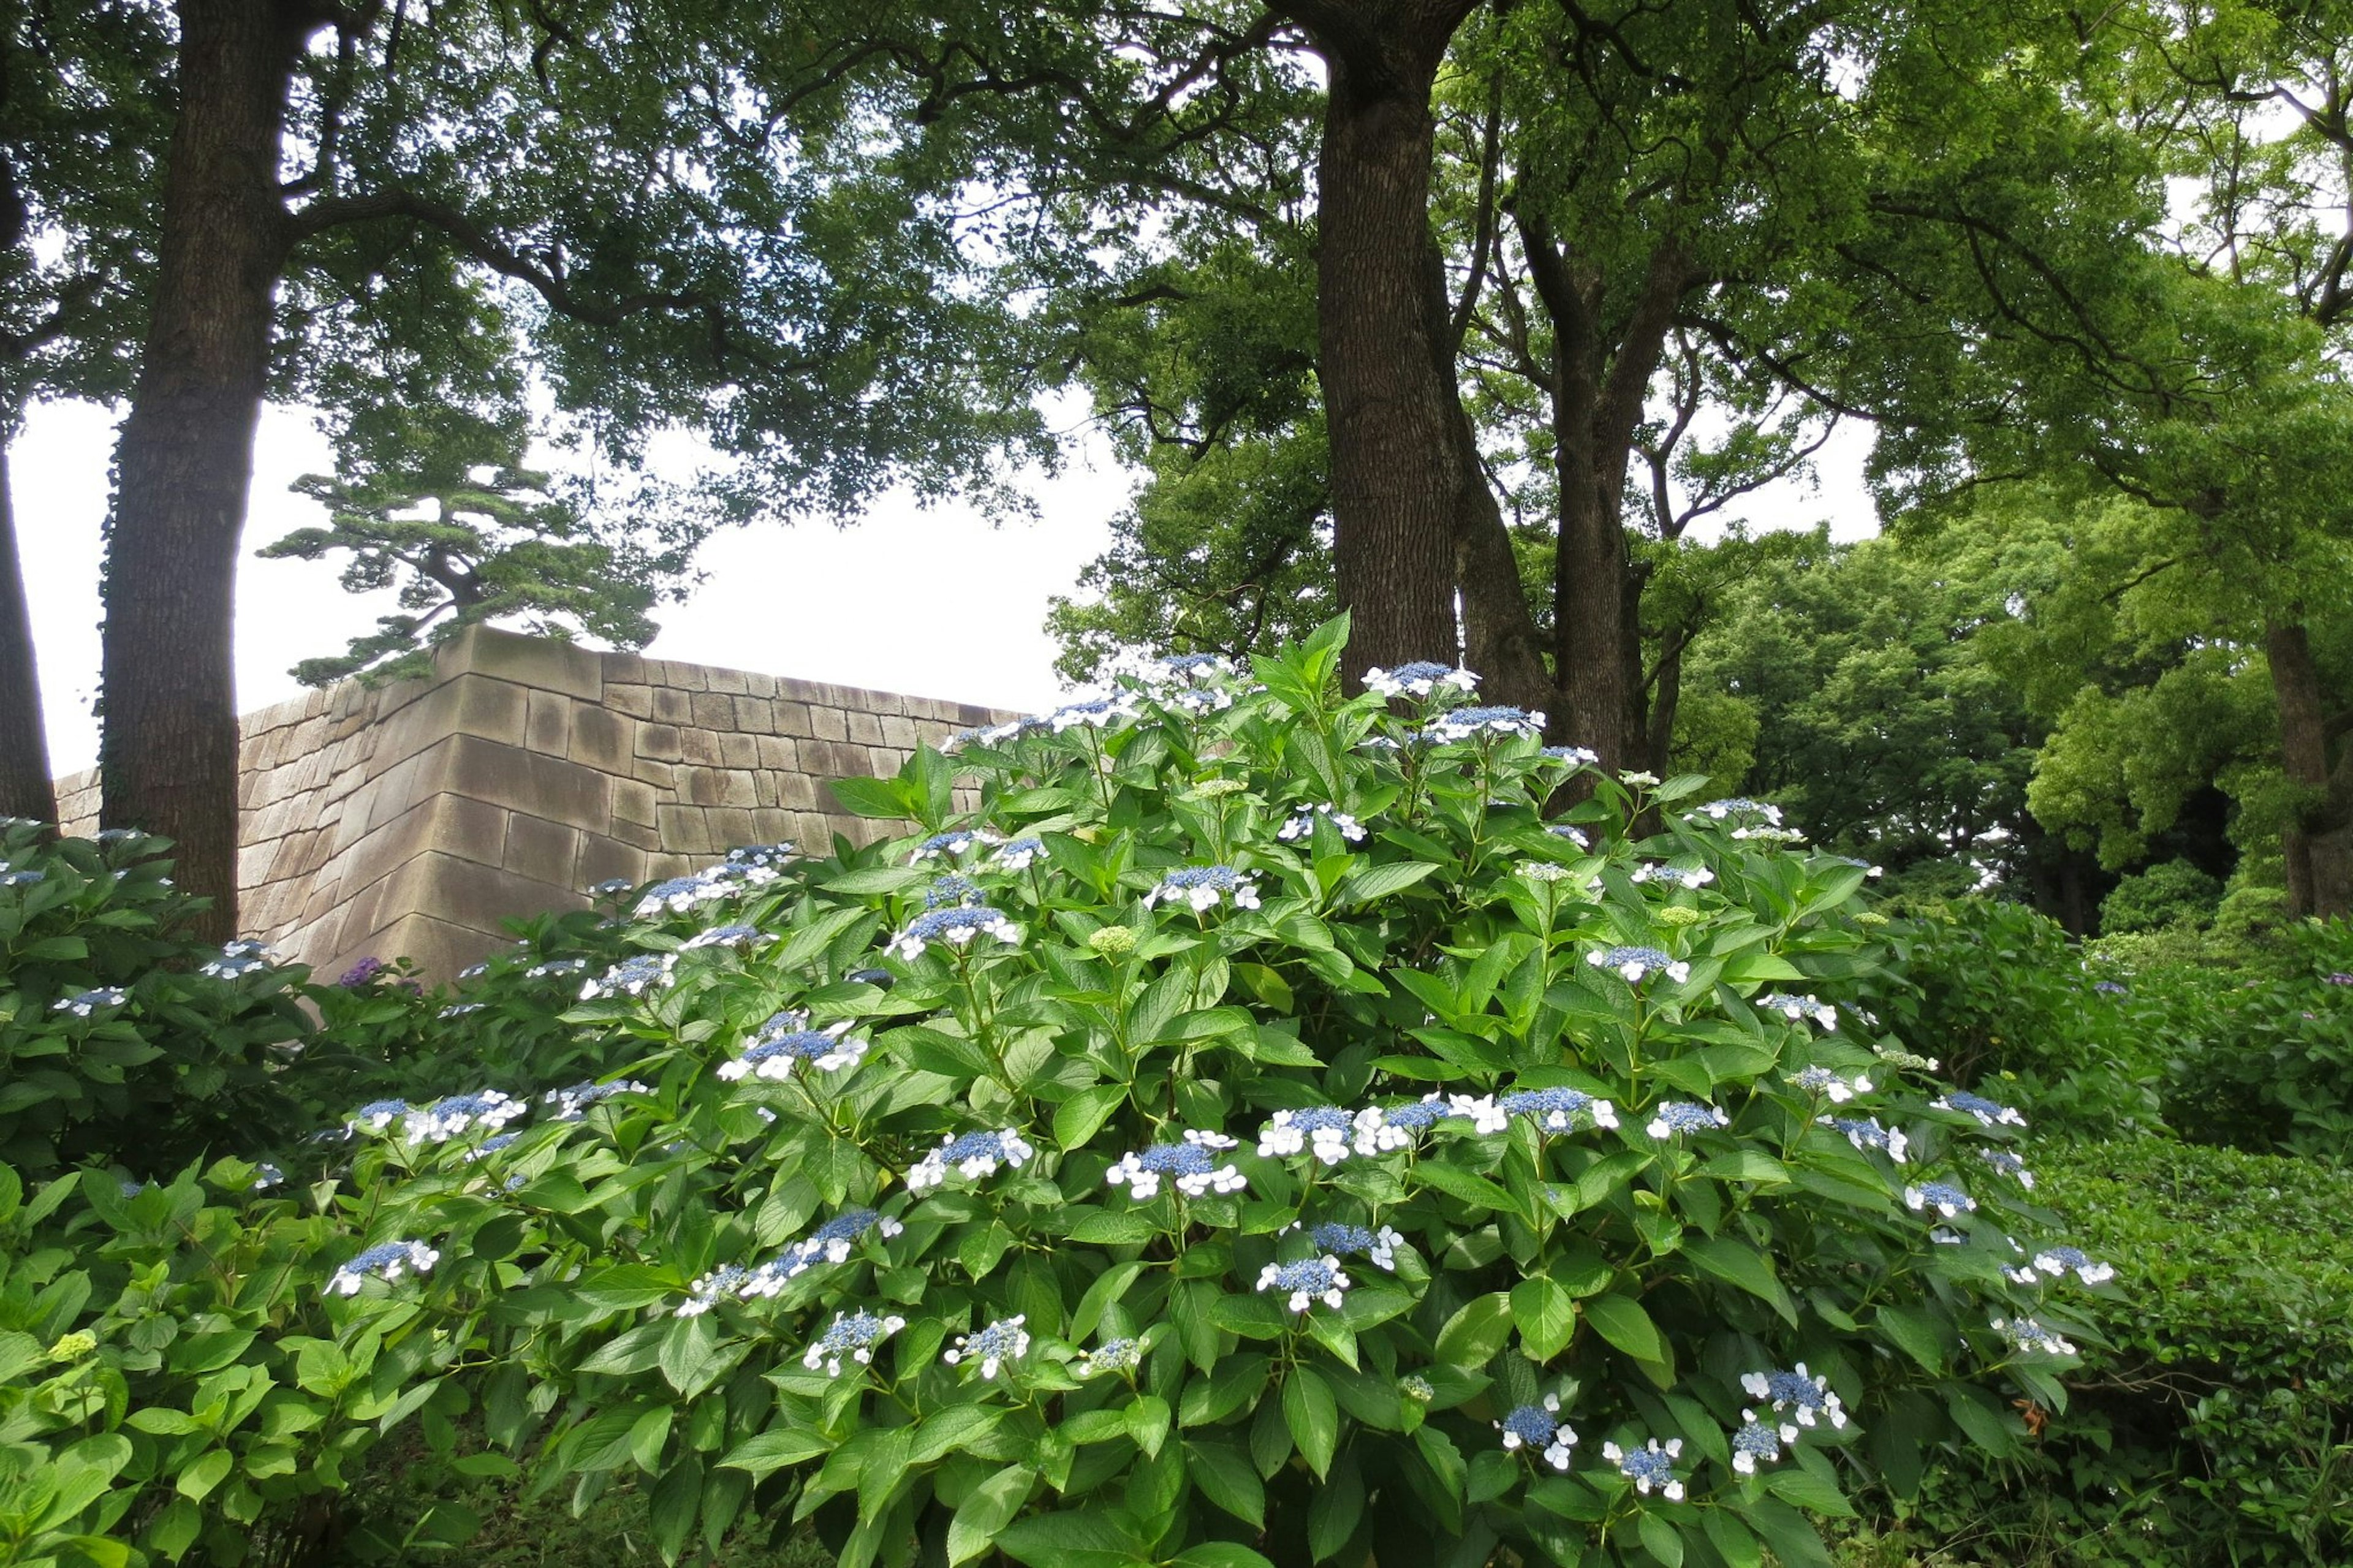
2215, 1425
2173, 894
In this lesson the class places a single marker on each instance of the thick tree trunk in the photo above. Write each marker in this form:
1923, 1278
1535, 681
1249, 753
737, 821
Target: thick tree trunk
184, 464
2318, 842
23, 746
1396, 466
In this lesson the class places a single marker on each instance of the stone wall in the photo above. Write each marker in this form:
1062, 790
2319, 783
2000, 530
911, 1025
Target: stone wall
411, 819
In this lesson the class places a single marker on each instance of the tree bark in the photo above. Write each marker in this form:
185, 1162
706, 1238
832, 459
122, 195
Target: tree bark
1386, 366
184, 462
2318, 843
23, 746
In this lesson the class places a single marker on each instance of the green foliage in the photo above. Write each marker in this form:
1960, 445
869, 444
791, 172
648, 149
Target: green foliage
465, 533
2173, 894
1636, 1277
116, 1042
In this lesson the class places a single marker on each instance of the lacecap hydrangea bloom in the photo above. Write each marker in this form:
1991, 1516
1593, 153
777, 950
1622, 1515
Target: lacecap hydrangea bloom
572, 1102
1803, 1397
1634, 965
455, 1115
1302, 823
1326, 1129
2060, 1261
1651, 1468
236, 959
1688, 877
1465, 723
1539, 1429
387, 1261
1018, 855
1558, 1109
733, 935
972, 1155
1830, 1086
853, 1335
957, 841
1345, 1240
1987, 1112
1203, 887
632, 976
82, 1004
1867, 1134
1116, 1355
1422, 677
1190, 1165
993, 1346
829, 1243
952, 928
2028, 1335
1680, 1117
1307, 1281
1943, 1196
1796, 1007
1754, 1444
784, 1041
2009, 1164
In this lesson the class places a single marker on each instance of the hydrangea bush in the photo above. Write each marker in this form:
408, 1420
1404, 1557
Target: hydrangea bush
1268, 1127
1145, 1168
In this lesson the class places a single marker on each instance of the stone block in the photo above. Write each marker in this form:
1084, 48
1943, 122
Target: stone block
548, 729
604, 859
602, 739
523, 781
541, 663
673, 705
792, 717
681, 829
639, 834
730, 681
702, 747
660, 742
901, 733
713, 711
772, 825
657, 775
737, 751
620, 667
633, 801
760, 686
730, 826
637, 701
795, 791
685, 676
865, 729
778, 752
443, 824
828, 724
755, 715
544, 851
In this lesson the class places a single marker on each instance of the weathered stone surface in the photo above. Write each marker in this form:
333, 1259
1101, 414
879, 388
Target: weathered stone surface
412, 820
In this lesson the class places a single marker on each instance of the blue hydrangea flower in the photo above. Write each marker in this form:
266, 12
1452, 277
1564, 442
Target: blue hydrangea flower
1796, 1007
2009, 1164
676, 895
786, 1040
829, 1243
708, 1291
1558, 1109
2060, 1261
459, 1010
1358, 1241
1381, 1130
1737, 808
1302, 823
1539, 1429
611, 888
1651, 1468
1573, 833
632, 976
24, 878
951, 891
490, 1146
1094, 713
1805, 1398
1943, 1196
992, 1347
387, 1261
1634, 965
453, 1115
1309, 1281
237, 959
1190, 1165
952, 927
1986, 1110
1689, 878
736, 934
1679, 1117
1421, 678
1869, 1134
2030, 1336
1825, 1084
1755, 1444
1326, 1127
975, 1155
267, 1175
1575, 756
1202, 886
1019, 854
82, 1004
1465, 723
571, 1101
852, 1334
764, 857
1119, 1356
2109, 988
378, 1114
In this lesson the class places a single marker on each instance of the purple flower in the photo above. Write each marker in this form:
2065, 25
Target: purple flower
360, 973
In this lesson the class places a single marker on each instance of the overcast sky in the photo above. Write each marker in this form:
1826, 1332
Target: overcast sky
935, 603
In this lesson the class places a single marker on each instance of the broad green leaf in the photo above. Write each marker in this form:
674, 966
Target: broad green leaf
1473, 1336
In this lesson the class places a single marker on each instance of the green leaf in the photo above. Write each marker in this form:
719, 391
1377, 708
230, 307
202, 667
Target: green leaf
1219, 1554
690, 1354
1313, 1414
986, 1510
1661, 1539
1620, 1319
951, 1428
1070, 1541
1473, 1336
1368, 883
1732, 1539
1738, 1263
765, 1452
1109, 1286
870, 797
210, 1468
1545, 1315
1914, 1333
1113, 1227
1084, 1113
1809, 1491
1225, 1477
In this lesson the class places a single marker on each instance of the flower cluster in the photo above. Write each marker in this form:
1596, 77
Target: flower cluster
1756, 1443
1466, 723
1943, 1196
1678, 1117
1830, 1086
1202, 886
82, 1004
829, 1243
2009, 1164
952, 891
455, 1115
1649, 1469
632, 976
556, 968
1575, 756
736, 934
785, 1039
572, 1102
953, 843
2060, 1261
1689, 878
1739, 808
377, 1115
952, 928
680, 894
1355, 1240
1558, 1109
387, 1261
1805, 1398
851, 1334
974, 1155
1421, 678
1326, 1129
1190, 1165
763, 857
1796, 1007
1307, 1281
1869, 1134
1018, 855
1094, 713
1539, 1429
1986, 1110
2030, 1336
236, 959
1302, 823
1634, 964
993, 1346
1575, 835
1119, 1356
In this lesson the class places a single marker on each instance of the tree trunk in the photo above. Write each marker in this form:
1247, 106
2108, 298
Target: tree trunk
184, 464
1666, 695
1396, 466
2317, 842
24, 745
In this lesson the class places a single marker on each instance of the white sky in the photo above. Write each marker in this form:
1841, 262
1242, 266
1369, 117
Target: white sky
934, 603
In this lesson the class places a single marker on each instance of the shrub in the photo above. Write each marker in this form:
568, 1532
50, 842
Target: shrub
2173, 894
1260, 1132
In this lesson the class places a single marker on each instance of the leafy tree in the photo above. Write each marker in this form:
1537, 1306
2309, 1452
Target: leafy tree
466, 533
